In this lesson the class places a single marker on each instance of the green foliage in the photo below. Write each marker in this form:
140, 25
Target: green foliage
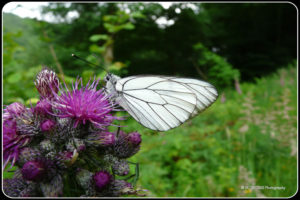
9, 173
215, 67
17, 80
250, 35
97, 37
255, 43
23, 55
113, 23
10, 47
248, 140
18, 86
25, 34
117, 22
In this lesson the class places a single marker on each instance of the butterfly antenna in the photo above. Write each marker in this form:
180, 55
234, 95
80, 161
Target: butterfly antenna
97, 57
77, 57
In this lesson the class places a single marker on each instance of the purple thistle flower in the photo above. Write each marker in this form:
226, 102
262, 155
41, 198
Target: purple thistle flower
33, 170
42, 108
84, 104
102, 179
14, 110
12, 142
46, 83
66, 130
47, 125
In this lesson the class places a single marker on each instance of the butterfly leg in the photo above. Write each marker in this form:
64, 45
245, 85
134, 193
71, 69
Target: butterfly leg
137, 172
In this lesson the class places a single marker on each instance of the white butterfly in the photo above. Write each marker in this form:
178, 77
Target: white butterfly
160, 102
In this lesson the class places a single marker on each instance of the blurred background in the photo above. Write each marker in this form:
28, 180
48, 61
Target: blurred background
247, 138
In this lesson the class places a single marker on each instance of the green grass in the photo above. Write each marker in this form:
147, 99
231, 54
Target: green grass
248, 140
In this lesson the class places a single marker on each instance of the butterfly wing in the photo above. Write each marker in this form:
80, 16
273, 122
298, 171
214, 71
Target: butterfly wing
162, 103
205, 92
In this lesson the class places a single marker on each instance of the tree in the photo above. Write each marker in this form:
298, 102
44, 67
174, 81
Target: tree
255, 38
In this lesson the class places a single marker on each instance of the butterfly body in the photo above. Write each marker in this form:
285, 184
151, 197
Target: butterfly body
160, 102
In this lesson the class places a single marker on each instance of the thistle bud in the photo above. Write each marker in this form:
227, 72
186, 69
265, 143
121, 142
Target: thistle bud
53, 188
47, 125
9, 127
46, 145
13, 187
27, 124
102, 180
76, 143
14, 109
33, 170
27, 154
120, 187
103, 139
81, 148
127, 144
107, 139
29, 191
84, 177
46, 83
68, 158
134, 138
42, 108
120, 167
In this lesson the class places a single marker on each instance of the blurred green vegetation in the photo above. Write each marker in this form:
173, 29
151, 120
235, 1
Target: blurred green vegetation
220, 43
247, 50
248, 140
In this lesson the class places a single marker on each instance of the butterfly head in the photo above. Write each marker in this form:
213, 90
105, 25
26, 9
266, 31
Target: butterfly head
109, 77
111, 81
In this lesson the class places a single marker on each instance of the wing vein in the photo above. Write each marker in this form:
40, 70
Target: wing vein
201, 95
159, 115
173, 97
141, 99
146, 119
177, 105
127, 106
173, 115
210, 92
